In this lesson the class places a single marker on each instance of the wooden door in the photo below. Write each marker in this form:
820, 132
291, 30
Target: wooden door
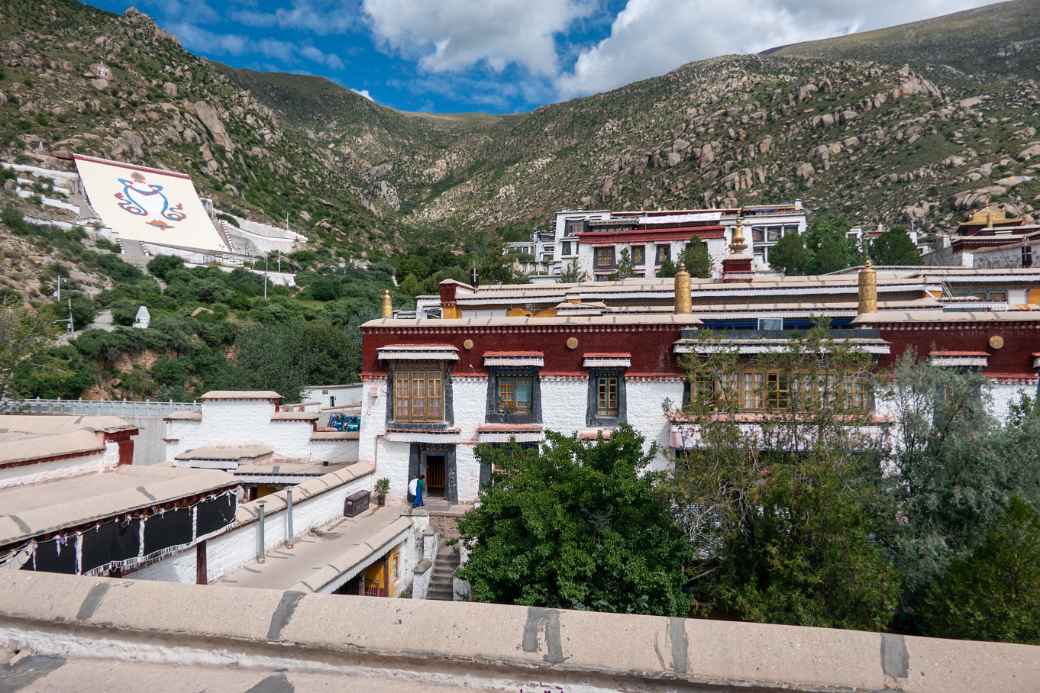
435, 475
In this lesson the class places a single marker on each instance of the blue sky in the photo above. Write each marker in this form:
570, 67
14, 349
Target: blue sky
503, 56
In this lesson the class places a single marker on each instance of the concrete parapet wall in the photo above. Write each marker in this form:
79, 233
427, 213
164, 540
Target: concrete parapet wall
94, 617
316, 502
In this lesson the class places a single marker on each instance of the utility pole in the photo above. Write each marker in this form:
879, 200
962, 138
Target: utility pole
266, 257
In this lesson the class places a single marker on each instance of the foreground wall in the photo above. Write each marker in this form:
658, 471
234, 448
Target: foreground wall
481, 646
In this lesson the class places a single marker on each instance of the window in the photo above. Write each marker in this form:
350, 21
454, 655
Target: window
773, 234
1027, 256
513, 395
573, 227
758, 234
778, 390
418, 394
607, 396
566, 248
664, 252
791, 230
604, 257
606, 401
638, 255
771, 323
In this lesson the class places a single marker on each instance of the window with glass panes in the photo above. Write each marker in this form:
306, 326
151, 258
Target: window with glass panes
763, 391
514, 394
638, 255
418, 393
603, 257
607, 396
664, 252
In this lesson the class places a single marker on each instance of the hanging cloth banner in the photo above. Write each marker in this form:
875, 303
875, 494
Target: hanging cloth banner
167, 530
55, 556
110, 542
214, 514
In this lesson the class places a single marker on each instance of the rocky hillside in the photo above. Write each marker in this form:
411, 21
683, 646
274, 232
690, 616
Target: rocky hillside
919, 122
75, 79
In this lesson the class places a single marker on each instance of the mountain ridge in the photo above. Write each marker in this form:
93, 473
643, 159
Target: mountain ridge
893, 142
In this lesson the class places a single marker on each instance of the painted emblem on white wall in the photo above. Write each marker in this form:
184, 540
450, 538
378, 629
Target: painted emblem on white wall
141, 198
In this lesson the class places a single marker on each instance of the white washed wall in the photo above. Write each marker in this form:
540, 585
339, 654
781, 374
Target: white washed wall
645, 412
239, 422
237, 547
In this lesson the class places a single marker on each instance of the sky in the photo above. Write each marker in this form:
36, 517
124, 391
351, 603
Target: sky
503, 56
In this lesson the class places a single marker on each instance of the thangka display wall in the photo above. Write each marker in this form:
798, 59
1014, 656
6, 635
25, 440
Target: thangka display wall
129, 542
148, 204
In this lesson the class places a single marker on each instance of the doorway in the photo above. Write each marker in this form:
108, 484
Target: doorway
435, 481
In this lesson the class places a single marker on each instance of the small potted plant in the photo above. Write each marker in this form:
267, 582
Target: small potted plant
382, 488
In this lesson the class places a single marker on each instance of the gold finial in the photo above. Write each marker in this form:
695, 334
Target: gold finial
683, 296
738, 245
388, 305
867, 289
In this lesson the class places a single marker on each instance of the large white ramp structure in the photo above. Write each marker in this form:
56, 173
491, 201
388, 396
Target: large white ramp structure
148, 204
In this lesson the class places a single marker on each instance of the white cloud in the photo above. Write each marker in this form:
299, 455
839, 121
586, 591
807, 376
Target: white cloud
363, 92
447, 35
318, 16
200, 40
651, 37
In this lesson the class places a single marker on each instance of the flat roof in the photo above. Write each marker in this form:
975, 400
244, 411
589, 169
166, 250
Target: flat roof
605, 319
240, 394
51, 506
28, 437
226, 452
895, 316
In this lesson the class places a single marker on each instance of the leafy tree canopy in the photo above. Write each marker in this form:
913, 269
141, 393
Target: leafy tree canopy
894, 247
576, 525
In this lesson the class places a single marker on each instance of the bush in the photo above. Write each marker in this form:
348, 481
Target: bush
56, 373
162, 265
994, 592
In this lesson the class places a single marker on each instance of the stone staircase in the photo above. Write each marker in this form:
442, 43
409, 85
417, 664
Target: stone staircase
443, 570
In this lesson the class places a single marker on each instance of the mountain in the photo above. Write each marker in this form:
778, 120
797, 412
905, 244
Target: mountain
999, 40
914, 123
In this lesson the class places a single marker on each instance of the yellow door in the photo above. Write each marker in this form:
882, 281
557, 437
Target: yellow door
1033, 297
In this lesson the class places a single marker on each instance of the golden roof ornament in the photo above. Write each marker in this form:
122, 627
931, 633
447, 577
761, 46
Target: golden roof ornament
683, 295
867, 289
388, 305
738, 245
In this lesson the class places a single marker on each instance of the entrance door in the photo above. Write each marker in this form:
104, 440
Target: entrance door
435, 475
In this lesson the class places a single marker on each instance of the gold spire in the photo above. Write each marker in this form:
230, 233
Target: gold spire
388, 305
738, 245
683, 297
867, 289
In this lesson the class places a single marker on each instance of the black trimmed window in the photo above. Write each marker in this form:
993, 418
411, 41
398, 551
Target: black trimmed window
606, 397
514, 395
638, 255
604, 256
664, 252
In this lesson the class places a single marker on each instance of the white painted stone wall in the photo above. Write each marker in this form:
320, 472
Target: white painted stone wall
564, 402
231, 550
61, 469
241, 422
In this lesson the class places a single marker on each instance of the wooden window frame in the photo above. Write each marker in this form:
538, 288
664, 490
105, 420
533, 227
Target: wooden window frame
608, 398
603, 250
407, 380
641, 260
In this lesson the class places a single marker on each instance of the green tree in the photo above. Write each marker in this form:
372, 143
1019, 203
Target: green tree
576, 525
572, 273
993, 593
667, 269
625, 269
790, 255
829, 246
22, 334
777, 514
697, 258
162, 266
894, 247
